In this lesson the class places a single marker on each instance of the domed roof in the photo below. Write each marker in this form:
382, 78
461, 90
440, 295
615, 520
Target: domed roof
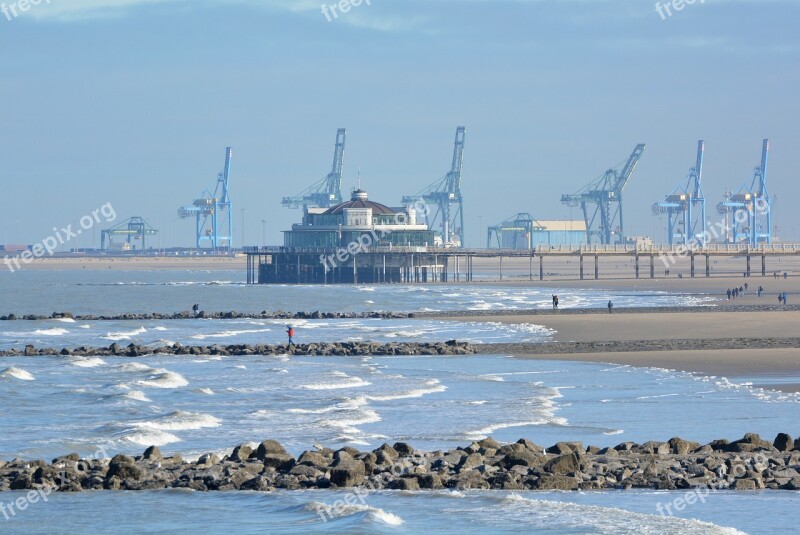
359, 199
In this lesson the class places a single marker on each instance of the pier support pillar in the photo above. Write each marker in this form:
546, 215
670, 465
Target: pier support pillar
596, 267
763, 265
748, 265
530, 267
636, 265
501, 268
691, 257
581, 262
708, 265
541, 268
652, 266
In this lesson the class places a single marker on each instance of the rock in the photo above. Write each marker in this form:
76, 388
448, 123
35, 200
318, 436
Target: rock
523, 457
403, 449
241, 453
783, 442
348, 475
406, 483
280, 462
152, 454
470, 462
553, 482
562, 465
682, 447
563, 448
123, 467
269, 447
312, 458
429, 481
744, 484
489, 443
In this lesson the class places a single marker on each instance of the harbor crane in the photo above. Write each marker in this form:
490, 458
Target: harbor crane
131, 230
685, 207
604, 223
328, 191
750, 207
213, 213
445, 195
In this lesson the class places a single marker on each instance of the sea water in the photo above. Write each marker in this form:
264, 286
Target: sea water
197, 404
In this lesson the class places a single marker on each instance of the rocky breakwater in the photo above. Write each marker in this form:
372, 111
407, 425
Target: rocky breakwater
185, 315
750, 463
324, 349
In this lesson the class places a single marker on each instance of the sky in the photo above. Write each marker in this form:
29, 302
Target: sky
132, 102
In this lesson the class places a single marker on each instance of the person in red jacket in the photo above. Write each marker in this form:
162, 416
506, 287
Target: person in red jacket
290, 332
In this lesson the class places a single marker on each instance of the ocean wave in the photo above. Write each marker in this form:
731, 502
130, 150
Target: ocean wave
55, 331
86, 362
150, 437
161, 378
64, 320
433, 388
116, 337
373, 514
137, 395
17, 373
229, 334
348, 382
206, 391
598, 519
181, 421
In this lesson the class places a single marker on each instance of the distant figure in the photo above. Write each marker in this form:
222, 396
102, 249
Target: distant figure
554, 300
196, 310
785, 275
610, 306
741, 290
760, 291
780, 298
785, 302
745, 286
290, 332
729, 294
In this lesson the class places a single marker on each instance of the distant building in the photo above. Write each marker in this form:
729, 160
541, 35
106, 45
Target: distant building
524, 232
359, 220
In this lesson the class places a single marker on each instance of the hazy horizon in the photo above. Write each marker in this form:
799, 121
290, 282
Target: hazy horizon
134, 102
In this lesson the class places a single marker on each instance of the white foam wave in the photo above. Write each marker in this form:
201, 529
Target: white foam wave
373, 513
64, 320
206, 391
55, 331
116, 337
180, 421
17, 373
348, 382
137, 395
86, 362
598, 519
229, 334
161, 378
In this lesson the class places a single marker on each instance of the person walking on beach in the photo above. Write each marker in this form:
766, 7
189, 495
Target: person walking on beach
780, 298
290, 332
729, 294
554, 301
196, 309
784, 299
610, 306
760, 291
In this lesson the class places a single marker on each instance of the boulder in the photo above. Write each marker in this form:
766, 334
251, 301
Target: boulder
348, 474
783, 442
152, 454
562, 465
553, 482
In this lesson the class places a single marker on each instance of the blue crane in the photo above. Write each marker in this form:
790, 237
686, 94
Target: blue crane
328, 191
750, 206
445, 195
604, 223
685, 207
213, 213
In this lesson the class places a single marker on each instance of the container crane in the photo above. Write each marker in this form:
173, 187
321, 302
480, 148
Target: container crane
328, 191
213, 213
445, 195
604, 223
130, 230
685, 207
750, 207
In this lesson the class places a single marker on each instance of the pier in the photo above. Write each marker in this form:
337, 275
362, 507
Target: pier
378, 265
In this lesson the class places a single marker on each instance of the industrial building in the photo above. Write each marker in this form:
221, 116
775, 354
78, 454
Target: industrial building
524, 232
359, 220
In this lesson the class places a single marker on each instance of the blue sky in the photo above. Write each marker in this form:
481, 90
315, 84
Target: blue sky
133, 102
